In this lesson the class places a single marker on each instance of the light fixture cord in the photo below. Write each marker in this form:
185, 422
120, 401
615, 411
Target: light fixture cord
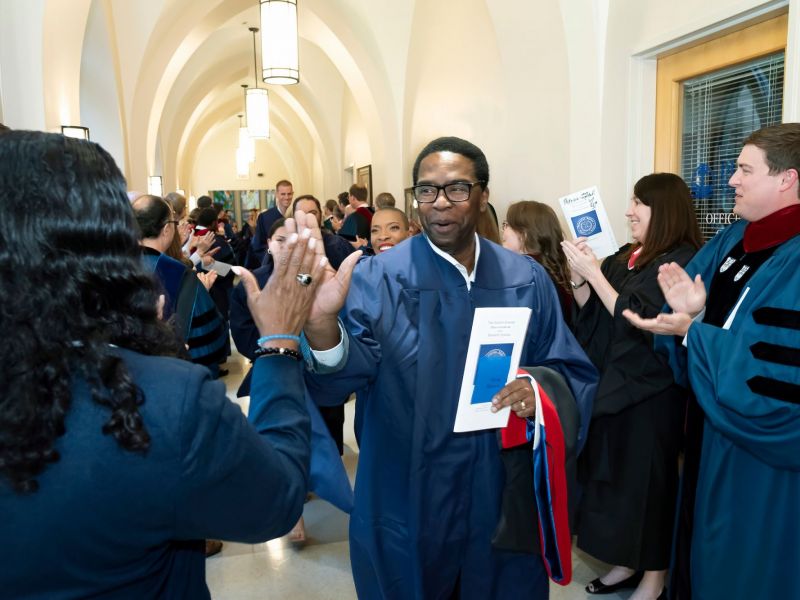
255, 64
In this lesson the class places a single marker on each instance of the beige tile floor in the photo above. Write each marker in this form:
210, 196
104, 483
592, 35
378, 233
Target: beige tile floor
321, 569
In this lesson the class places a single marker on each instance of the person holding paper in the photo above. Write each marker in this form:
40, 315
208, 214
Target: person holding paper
629, 467
427, 500
740, 355
221, 290
196, 319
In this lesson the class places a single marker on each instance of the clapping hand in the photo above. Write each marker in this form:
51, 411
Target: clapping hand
682, 293
685, 296
207, 279
582, 260
184, 231
204, 242
676, 323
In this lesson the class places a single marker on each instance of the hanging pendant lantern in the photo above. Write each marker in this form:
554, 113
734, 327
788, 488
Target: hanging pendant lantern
246, 143
279, 55
257, 103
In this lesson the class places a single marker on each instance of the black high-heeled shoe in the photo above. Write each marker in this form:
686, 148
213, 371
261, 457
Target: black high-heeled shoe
598, 587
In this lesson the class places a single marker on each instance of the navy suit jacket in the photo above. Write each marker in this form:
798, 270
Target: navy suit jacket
109, 523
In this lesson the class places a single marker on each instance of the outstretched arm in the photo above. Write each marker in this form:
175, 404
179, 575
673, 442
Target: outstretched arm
264, 466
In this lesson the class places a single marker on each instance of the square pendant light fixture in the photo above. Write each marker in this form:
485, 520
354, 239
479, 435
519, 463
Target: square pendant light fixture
154, 187
279, 56
75, 131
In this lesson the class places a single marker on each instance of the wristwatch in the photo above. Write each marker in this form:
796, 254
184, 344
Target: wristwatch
575, 286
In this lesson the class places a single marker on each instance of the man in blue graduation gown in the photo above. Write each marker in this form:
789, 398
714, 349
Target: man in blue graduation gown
427, 500
740, 538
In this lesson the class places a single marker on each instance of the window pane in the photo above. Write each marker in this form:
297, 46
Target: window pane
720, 110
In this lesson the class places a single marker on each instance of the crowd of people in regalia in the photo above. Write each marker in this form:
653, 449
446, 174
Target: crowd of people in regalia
664, 379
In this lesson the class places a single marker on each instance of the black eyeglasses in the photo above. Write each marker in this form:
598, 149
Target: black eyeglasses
458, 191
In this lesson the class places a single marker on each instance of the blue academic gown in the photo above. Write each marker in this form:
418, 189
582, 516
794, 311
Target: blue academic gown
196, 318
746, 537
427, 500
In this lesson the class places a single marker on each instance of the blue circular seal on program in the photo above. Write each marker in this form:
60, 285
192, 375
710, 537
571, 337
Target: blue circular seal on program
585, 225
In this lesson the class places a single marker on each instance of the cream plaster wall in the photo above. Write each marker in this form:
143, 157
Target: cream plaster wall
355, 141
497, 75
531, 155
64, 30
215, 166
98, 88
21, 33
453, 84
133, 22
335, 31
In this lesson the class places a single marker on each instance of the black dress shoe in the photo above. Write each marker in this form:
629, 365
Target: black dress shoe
598, 587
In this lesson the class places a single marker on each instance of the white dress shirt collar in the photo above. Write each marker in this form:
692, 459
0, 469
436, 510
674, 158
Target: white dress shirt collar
468, 277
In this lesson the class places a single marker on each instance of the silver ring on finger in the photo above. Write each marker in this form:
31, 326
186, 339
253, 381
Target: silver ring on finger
522, 404
304, 279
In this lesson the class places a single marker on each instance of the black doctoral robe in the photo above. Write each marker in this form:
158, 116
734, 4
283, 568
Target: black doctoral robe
629, 466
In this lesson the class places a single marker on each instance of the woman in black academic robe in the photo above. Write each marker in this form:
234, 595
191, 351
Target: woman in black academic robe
629, 466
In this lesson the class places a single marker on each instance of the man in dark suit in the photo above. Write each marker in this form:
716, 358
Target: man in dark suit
283, 200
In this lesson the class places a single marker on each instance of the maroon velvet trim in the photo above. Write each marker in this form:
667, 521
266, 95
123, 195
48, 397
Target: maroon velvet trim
773, 229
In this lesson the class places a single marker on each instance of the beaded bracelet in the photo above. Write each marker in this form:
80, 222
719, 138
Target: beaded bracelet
283, 336
278, 351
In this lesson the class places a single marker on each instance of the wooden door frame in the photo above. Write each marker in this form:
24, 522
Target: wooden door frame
740, 46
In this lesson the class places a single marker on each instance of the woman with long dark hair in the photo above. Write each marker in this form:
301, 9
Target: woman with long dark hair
629, 466
116, 460
532, 228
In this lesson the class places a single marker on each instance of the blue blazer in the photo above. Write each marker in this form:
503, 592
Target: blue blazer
109, 523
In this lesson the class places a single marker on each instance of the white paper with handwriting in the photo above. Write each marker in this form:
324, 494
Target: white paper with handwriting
586, 216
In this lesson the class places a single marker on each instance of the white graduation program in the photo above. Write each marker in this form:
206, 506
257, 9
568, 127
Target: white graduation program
495, 347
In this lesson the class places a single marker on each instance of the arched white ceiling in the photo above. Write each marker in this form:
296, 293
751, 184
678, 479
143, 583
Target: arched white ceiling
196, 48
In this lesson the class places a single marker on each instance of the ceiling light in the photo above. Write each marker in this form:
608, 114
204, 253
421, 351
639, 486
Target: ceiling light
279, 56
257, 103
75, 131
